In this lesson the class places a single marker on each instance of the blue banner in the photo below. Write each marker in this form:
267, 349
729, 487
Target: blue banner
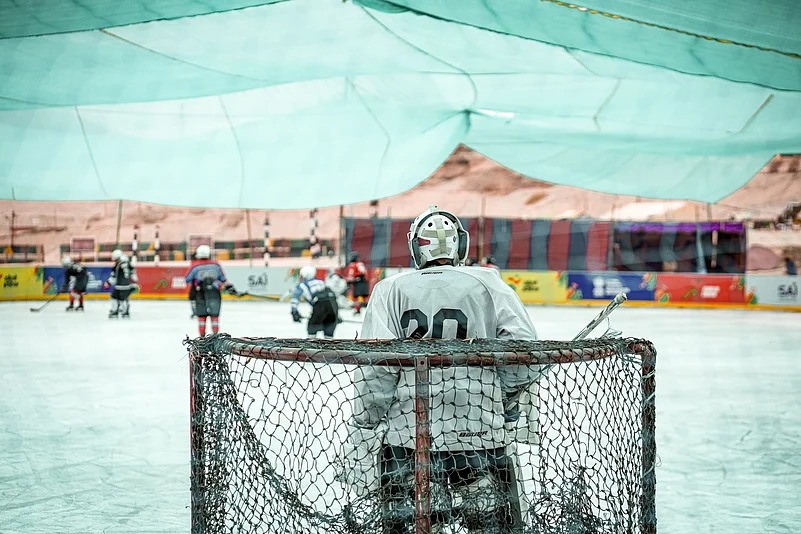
54, 279
604, 286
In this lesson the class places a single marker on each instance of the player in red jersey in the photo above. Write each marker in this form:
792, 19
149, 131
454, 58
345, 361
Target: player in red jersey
356, 277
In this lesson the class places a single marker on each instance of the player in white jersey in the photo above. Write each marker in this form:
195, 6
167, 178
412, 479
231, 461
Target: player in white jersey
444, 299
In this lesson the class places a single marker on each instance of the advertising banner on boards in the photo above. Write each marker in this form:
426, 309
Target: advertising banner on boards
17, 283
773, 290
700, 288
54, 280
537, 287
605, 285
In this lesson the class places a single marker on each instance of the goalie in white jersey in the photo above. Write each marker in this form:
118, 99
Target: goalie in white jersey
444, 299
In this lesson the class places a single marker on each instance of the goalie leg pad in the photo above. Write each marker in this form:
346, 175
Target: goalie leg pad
358, 460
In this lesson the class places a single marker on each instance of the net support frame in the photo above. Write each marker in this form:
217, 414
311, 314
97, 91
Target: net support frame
327, 351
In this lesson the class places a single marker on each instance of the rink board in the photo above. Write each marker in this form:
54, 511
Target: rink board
673, 290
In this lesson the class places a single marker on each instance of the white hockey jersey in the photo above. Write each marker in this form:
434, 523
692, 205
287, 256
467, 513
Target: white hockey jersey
467, 403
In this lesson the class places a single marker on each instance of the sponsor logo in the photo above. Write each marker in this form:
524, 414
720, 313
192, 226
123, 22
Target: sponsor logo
178, 282
94, 283
258, 280
530, 285
10, 280
472, 434
787, 291
607, 287
710, 292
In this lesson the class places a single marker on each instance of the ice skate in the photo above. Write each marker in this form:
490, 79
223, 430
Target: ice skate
70, 308
79, 308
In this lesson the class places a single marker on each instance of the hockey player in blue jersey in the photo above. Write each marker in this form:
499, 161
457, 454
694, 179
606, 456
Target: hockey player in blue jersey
209, 280
323, 302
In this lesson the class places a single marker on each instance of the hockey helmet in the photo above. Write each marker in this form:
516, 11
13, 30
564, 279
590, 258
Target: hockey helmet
353, 256
116, 254
437, 234
203, 252
66, 261
308, 272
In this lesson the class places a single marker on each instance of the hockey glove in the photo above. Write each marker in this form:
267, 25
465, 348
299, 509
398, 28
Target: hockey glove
232, 291
296, 316
106, 285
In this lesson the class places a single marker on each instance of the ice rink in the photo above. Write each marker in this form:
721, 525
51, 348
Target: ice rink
94, 433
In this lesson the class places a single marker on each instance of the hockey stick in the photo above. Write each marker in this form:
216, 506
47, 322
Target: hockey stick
519, 503
265, 297
40, 308
619, 299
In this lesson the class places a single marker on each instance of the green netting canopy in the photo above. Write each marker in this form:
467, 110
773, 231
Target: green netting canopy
245, 103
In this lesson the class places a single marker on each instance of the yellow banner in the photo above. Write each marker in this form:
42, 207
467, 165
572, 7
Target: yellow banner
545, 287
20, 283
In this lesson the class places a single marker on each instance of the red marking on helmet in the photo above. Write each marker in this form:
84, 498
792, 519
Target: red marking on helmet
423, 241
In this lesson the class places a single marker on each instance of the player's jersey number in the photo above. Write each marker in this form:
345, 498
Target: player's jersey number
445, 314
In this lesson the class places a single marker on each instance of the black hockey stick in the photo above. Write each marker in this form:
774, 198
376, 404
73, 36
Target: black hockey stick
40, 308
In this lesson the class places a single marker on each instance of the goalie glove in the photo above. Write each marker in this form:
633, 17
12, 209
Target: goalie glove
296, 316
358, 463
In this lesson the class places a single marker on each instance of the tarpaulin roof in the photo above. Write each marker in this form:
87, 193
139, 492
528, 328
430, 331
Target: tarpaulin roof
311, 103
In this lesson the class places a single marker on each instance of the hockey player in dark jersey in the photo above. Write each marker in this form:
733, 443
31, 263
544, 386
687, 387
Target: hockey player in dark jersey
192, 287
323, 300
76, 278
123, 281
209, 281
356, 277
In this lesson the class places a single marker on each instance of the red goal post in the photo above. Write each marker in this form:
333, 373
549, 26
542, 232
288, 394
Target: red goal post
254, 406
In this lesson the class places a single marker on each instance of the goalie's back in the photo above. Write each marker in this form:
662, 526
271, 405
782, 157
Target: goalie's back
446, 302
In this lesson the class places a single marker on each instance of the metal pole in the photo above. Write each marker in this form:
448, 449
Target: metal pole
157, 247
196, 443
422, 457
267, 246
119, 222
135, 244
250, 242
481, 230
648, 458
314, 245
13, 227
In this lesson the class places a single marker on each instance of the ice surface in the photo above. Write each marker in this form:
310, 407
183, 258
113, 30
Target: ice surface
94, 430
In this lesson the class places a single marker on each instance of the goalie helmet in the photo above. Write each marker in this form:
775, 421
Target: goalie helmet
203, 252
353, 256
116, 254
66, 261
308, 273
437, 234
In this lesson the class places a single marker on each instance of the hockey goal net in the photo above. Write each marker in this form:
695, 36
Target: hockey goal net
270, 419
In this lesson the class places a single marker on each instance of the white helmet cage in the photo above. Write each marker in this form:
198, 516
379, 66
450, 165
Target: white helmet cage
66, 261
437, 234
203, 252
308, 272
116, 254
